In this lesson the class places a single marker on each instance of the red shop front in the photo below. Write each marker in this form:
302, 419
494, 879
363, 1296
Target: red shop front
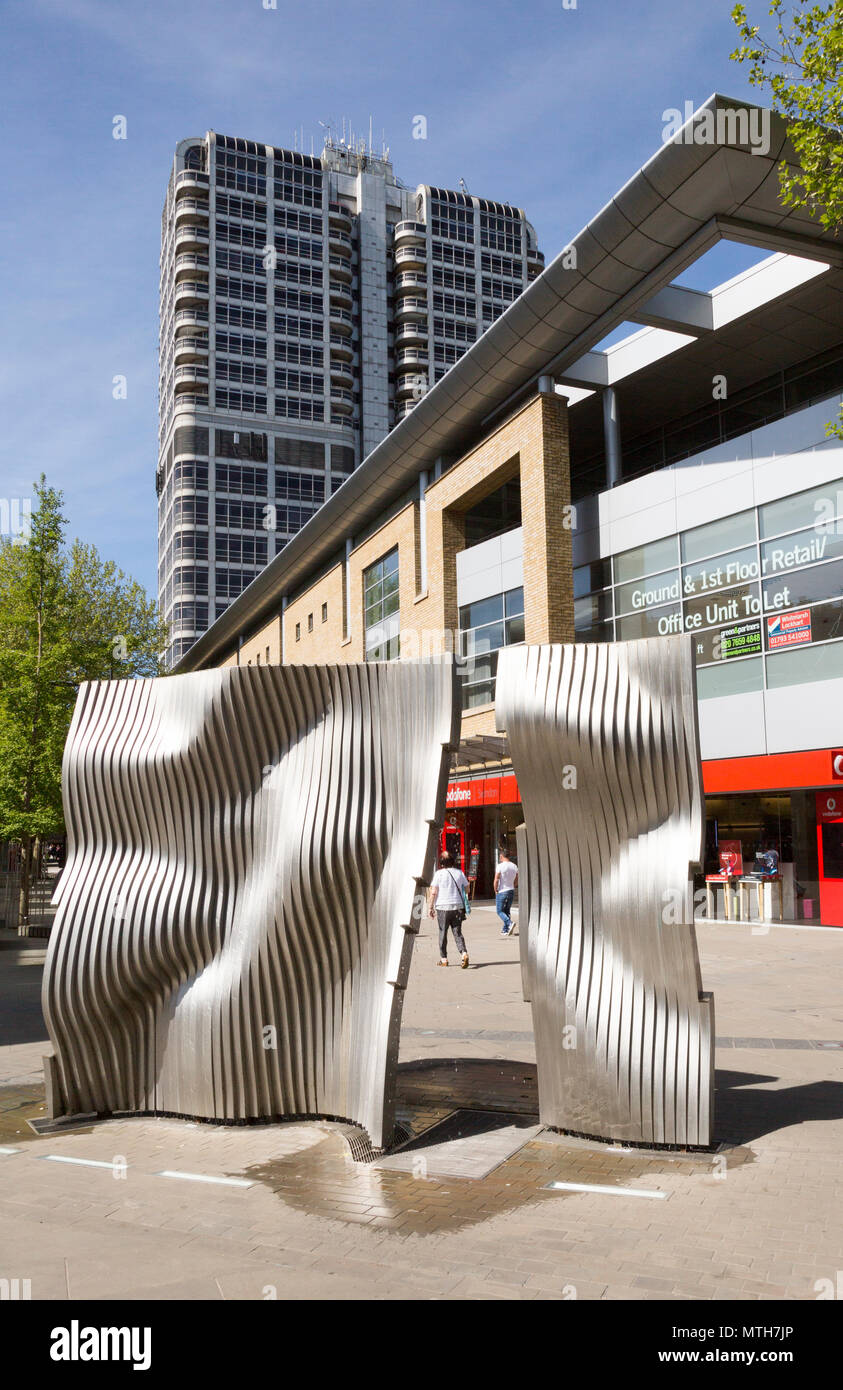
808, 789
482, 815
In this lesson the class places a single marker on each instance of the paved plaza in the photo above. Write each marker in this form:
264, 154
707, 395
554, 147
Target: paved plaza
464, 1209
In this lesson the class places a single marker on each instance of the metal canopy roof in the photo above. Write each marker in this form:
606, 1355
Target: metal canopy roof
678, 205
481, 751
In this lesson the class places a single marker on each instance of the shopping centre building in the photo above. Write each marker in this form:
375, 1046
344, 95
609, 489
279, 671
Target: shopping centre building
556, 486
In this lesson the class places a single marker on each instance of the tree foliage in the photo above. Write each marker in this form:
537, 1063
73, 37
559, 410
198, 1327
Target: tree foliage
66, 615
801, 67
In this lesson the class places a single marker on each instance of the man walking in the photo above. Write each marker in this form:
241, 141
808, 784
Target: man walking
506, 878
448, 906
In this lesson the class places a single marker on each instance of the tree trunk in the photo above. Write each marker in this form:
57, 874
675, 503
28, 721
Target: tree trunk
23, 896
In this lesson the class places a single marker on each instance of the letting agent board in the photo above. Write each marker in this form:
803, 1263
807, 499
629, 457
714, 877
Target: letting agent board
743, 639
789, 629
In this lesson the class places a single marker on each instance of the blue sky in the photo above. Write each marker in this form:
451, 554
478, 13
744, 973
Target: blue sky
546, 107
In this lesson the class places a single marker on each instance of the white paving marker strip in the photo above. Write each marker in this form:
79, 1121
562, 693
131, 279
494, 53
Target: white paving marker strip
85, 1162
9, 1151
609, 1191
203, 1177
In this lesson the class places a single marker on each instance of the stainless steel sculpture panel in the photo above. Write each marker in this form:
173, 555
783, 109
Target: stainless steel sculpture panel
605, 747
235, 917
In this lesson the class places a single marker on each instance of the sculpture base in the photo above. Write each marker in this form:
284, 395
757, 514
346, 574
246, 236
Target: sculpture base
643, 1148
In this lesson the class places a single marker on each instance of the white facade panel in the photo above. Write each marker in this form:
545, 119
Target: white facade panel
805, 716
733, 727
493, 567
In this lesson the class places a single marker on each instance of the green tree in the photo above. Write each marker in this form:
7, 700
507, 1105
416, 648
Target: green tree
801, 67
65, 616
35, 697
116, 629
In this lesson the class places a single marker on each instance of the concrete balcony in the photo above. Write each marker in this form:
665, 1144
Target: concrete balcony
410, 333
339, 217
410, 234
191, 402
190, 292
192, 207
410, 283
191, 264
191, 236
339, 241
342, 400
340, 295
408, 256
188, 319
412, 386
341, 373
191, 181
340, 269
341, 347
191, 350
412, 357
190, 377
411, 309
340, 317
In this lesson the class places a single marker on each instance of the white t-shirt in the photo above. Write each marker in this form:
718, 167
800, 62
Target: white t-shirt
507, 873
450, 883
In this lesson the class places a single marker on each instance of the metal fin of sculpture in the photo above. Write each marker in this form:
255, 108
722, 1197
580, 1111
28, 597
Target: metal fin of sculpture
605, 746
235, 917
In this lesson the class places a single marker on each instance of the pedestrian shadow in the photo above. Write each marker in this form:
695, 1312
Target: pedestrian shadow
484, 964
743, 1113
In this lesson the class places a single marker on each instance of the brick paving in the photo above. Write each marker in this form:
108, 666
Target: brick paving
757, 1220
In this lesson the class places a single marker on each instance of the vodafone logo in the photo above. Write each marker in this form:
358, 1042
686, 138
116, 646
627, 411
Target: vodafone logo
464, 794
837, 765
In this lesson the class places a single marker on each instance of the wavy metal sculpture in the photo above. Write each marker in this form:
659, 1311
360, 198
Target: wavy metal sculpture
235, 919
605, 746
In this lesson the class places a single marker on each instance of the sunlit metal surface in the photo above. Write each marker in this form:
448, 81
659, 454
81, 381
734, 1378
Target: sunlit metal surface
235, 919
605, 746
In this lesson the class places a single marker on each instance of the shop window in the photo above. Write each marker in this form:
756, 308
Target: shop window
653, 622
708, 575
804, 586
815, 543
722, 608
648, 593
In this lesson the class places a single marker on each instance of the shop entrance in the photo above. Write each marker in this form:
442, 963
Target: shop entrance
479, 833
830, 856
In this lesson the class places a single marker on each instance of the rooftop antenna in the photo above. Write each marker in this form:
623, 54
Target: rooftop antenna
462, 186
371, 150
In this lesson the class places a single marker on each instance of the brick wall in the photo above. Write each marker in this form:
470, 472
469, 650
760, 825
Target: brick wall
533, 445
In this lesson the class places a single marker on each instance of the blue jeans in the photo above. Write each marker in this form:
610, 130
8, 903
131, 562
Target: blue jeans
503, 903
